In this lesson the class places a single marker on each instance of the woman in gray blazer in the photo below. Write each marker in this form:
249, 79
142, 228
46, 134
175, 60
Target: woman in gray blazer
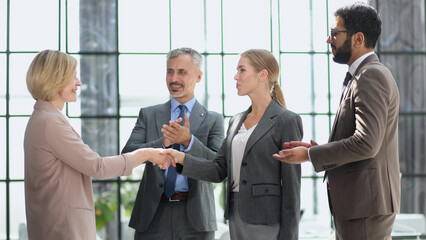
58, 165
263, 200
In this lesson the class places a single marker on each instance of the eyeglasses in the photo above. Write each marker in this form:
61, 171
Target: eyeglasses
334, 32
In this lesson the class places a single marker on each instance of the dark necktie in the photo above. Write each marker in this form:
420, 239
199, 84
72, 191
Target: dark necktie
347, 78
345, 84
169, 185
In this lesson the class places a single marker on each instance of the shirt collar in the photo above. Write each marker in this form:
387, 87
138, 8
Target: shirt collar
189, 105
355, 65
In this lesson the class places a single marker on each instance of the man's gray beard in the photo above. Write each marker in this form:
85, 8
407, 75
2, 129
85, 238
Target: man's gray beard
176, 96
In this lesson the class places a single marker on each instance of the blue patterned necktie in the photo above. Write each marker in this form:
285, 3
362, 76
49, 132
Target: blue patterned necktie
169, 186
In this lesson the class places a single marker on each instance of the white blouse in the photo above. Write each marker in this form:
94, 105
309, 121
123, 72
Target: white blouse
238, 147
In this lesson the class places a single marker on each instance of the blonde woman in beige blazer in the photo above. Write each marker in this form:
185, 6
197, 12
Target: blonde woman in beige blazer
58, 165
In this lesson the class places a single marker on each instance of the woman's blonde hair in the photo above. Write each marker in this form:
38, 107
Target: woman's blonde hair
49, 73
261, 59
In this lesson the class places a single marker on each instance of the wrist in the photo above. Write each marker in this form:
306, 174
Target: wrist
187, 142
181, 159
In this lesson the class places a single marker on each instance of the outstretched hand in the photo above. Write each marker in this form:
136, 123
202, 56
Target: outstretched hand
293, 144
294, 152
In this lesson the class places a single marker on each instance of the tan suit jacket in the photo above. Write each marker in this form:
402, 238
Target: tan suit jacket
361, 158
58, 167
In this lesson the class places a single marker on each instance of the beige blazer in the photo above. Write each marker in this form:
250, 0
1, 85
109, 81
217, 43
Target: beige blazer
361, 158
58, 171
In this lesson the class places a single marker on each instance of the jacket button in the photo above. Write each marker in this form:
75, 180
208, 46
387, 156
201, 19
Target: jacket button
244, 182
160, 185
266, 190
244, 164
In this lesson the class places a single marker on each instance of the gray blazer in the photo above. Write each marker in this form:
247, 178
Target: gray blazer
208, 132
269, 189
361, 157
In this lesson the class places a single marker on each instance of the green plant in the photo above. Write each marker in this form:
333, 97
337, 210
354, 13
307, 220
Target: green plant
105, 208
106, 203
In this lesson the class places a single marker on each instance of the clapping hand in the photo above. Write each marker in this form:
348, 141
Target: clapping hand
175, 133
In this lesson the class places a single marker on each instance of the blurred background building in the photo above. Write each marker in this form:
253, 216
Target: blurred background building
121, 48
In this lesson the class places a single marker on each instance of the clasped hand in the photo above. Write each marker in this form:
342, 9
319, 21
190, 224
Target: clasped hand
165, 157
294, 152
163, 161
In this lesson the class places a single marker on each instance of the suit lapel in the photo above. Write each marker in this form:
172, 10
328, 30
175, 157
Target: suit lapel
198, 115
369, 59
237, 121
233, 129
264, 125
162, 116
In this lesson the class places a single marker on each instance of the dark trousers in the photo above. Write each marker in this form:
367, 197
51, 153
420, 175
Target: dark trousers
370, 228
171, 222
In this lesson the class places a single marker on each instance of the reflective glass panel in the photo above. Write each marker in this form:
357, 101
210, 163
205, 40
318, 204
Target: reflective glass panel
98, 93
246, 25
144, 26
2, 148
142, 82
402, 24
3, 25
92, 26
21, 101
34, 25
17, 126
3, 84
3, 210
188, 24
304, 82
310, 32
18, 222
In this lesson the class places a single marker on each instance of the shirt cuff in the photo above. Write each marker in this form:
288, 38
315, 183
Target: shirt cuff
190, 144
309, 154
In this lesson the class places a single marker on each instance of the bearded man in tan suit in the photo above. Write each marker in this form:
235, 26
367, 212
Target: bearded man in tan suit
361, 158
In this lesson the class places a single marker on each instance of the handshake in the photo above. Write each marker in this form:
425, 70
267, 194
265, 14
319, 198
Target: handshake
173, 133
158, 156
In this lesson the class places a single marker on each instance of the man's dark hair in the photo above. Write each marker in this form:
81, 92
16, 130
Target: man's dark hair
360, 17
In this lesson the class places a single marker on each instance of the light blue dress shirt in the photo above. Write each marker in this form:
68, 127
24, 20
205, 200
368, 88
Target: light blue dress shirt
181, 181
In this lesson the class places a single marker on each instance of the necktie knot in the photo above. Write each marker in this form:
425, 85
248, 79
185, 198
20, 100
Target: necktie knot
347, 78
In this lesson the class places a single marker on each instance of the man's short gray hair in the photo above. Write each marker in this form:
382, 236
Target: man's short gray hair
197, 59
